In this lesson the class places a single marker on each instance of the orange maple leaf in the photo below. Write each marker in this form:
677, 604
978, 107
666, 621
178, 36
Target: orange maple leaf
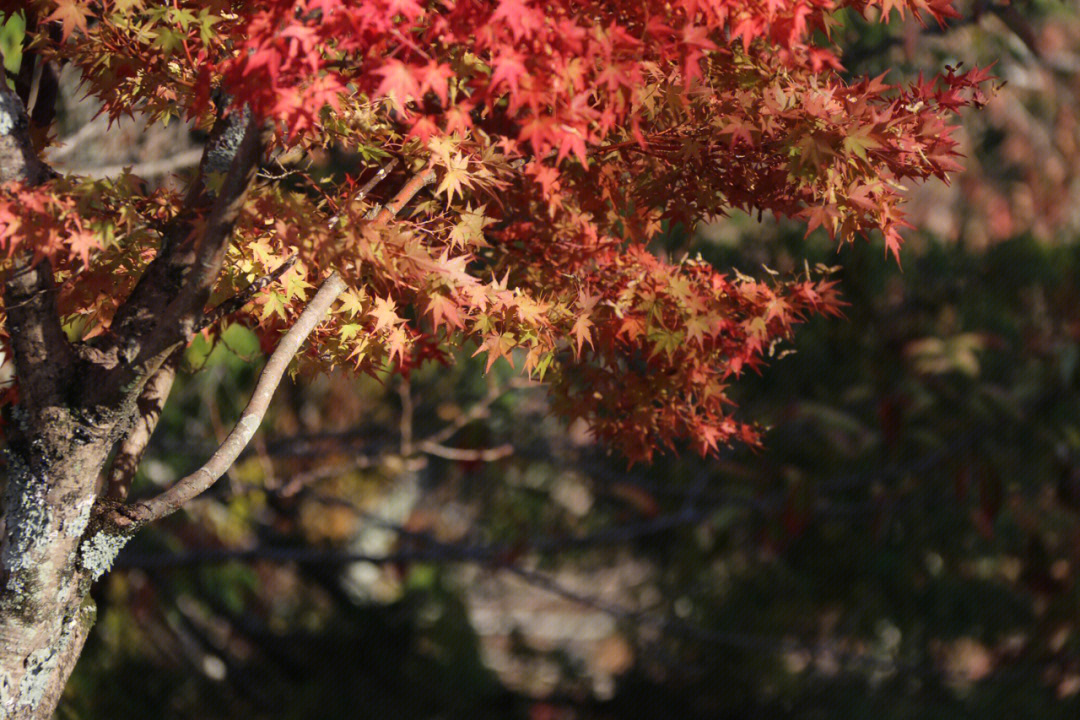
72, 16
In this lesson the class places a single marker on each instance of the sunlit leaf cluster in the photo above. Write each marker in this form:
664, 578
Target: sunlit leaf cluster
493, 172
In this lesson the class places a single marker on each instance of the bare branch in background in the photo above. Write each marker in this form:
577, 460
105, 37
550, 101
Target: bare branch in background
405, 391
478, 411
151, 168
466, 454
73, 142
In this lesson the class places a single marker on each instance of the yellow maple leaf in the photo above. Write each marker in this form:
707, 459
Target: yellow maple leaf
456, 177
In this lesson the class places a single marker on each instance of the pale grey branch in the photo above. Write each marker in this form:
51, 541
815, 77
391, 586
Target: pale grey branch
197, 482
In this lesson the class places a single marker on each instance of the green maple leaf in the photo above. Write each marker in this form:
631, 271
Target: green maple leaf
12, 33
275, 304
296, 286
168, 40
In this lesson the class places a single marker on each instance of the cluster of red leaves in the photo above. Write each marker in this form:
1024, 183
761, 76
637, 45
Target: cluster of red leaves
563, 135
658, 344
97, 235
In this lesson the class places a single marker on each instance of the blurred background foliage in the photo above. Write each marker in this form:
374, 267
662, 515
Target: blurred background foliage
907, 544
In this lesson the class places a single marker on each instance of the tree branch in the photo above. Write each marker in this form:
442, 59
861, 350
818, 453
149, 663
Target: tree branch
43, 355
149, 405
210, 253
189, 487
18, 160
165, 308
204, 270
203, 261
166, 273
417, 183
150, 168
156, 391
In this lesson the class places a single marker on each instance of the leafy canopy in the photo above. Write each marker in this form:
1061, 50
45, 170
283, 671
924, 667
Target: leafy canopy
555, 140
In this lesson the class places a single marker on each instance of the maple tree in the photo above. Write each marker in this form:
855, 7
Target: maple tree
393, 178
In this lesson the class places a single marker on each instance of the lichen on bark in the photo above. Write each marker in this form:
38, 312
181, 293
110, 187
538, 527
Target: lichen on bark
99, 551
41, 666
28, 521
10, 113
222, 149
77, 526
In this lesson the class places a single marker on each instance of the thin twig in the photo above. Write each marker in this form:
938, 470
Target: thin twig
242, 298
367, 188
375, 180
35, 85
405, 391
466, 454
477, 412
322, 472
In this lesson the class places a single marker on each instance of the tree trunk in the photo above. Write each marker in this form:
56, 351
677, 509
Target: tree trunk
77, 400
59, 537
50, 553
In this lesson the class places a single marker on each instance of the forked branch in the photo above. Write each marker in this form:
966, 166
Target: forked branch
197, 482
166, 306
156, 391
148, 411
242, 298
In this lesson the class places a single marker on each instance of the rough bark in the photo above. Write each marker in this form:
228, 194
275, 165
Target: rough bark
53, 455
75, 403
78, 400
47, 565
59, 538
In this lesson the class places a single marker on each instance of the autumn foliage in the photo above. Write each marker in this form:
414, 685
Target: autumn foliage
493, 172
